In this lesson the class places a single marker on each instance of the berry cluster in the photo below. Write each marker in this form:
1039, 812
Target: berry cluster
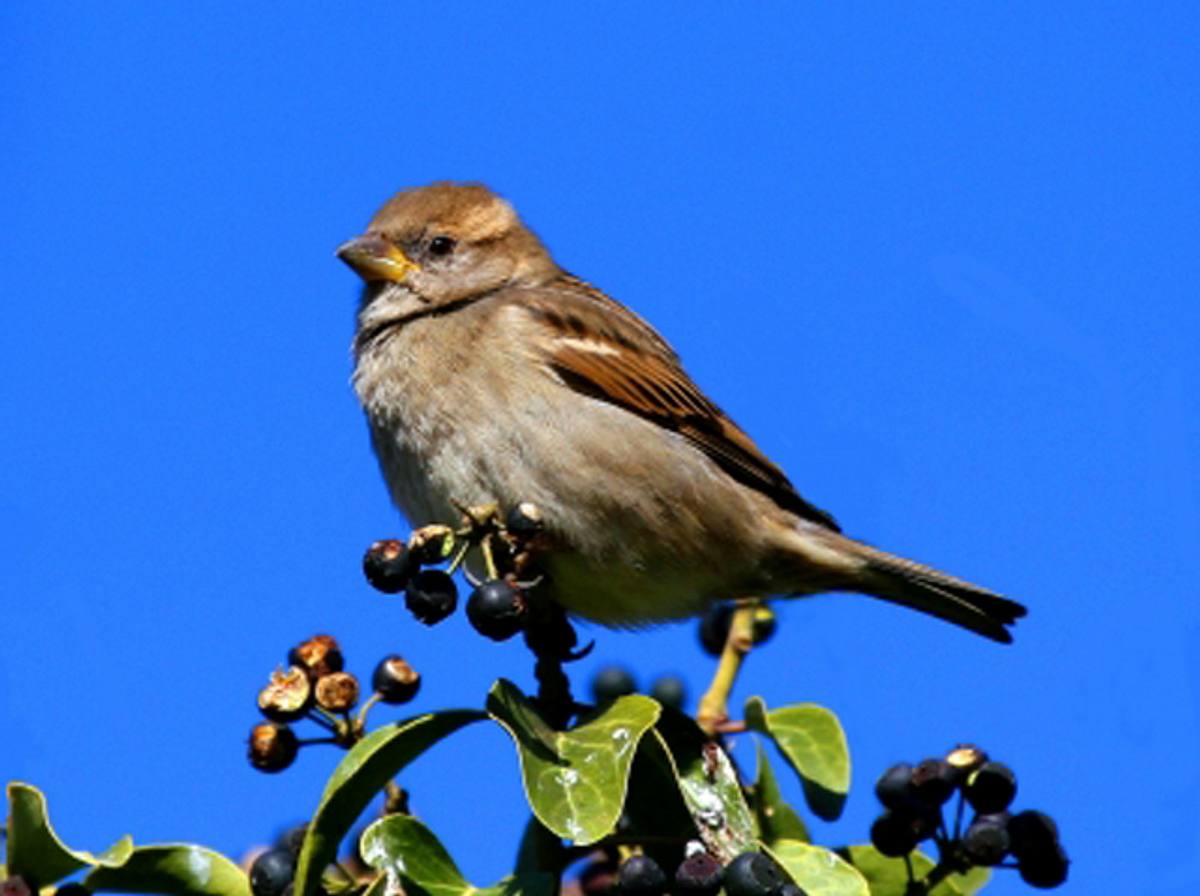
496, 607
611, 682
700, 874
314, 686
913, 797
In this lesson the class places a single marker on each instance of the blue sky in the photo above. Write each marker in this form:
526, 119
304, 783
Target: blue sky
939, 261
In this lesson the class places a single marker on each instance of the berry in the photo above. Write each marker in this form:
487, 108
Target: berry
431, 544
933, 781
318, 656
612, 682
524, 521
292, 838
1045, 871
714, 628
395, 680
669, 690
893, 835
273, 747
431, 596
337, 691
894, 788
986, 841
990, 788
754, 874
388, 565
762, 624
965, 758
699, 875
287, 696
1032, 833
641, 876
496, 610
272, 872
598, 878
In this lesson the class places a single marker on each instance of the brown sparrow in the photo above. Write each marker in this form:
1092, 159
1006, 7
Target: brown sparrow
490, 374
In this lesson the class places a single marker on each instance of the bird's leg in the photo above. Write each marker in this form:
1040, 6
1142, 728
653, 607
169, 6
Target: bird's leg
713, 711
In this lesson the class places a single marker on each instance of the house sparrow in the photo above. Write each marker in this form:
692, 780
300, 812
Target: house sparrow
490, 374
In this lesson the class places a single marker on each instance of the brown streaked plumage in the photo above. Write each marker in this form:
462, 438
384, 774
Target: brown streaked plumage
489, 374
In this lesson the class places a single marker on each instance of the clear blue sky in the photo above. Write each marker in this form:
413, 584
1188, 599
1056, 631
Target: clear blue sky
940, 262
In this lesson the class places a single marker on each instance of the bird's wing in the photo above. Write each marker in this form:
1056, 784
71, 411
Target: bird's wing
602, 349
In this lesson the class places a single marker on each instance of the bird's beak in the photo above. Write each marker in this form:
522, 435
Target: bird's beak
376, 259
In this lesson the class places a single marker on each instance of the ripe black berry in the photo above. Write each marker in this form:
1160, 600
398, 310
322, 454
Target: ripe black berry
612, 682
496, 610
388, 566
762, 624
699, 875
395, 680
754, 874
272, 872
1045, 871
893, 834
964, 759
318, 656
986, 841
287, 696
273, 747
714, 628
641, 876
934, 781
1032, 833
431, 596
990, 788
894, 787
337, 691
669, 690
524, 521
292, 838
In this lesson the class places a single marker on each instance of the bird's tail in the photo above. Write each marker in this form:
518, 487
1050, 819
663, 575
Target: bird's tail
871, 571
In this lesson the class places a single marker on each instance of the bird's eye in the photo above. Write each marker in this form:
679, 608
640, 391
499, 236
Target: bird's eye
441, 245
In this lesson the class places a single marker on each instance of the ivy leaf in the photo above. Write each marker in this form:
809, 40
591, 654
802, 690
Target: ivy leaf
178, 869
889, 877
359, 777
575, 780
776, 819
818, 870
813, 743
413, 858
709, 786
34, 850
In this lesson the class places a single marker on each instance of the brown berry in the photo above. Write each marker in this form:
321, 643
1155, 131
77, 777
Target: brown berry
273, 747
287, 695
318, 656
337, 691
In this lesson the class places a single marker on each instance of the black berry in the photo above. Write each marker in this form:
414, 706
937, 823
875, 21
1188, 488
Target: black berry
1032, 834
273, 747
524, 521
762, 624
612, 682
714, 628
318, 656
292, 838
1045, 871
395, 680
990, 788
893, 834
964, 759
894, 787
598, 878
272, 872
934, 781
388, 566
431, 596
669, 690
754, 874
641, 876
496, 610
699, 875
986, 841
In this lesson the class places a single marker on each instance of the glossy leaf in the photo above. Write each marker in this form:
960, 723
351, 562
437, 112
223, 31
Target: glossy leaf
811, 739
818, 870
179, 869
359, 778
413, 858
709, 786
889, 877
777, 820
575, 780
34, 850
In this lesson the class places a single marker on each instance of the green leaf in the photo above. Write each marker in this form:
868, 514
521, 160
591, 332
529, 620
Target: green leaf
410, 855
813, 743
889, 877
776, 819
359, 777
34, 850
709, 786
179, 869
575, 780
817, 870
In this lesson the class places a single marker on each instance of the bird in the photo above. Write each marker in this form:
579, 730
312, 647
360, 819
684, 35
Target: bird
489, 374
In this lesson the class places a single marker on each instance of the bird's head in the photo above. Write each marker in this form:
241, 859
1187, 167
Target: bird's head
437, 245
